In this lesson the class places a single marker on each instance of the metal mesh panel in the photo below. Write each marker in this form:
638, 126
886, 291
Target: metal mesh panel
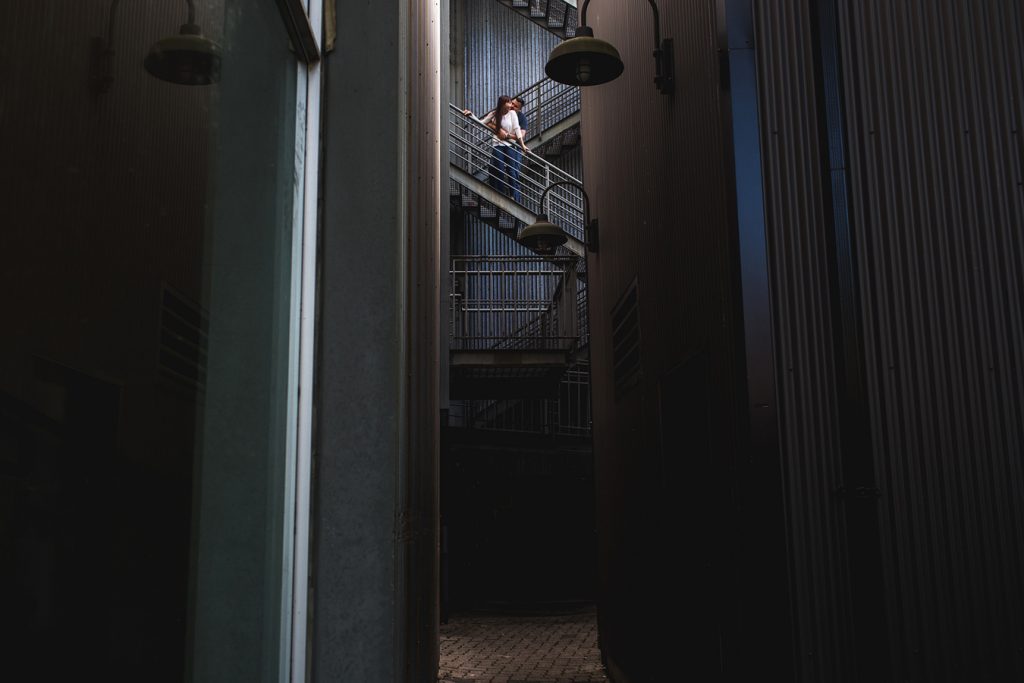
508, 302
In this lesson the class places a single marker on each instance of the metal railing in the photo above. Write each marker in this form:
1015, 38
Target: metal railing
514, 302
567, 415
547, 103
471, 146
582, 315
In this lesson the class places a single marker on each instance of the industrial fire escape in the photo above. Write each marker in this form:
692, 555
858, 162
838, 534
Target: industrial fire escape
518, 337
558, 16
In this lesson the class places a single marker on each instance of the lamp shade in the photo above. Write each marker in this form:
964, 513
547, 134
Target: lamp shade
188, 58
543, 236
584, 60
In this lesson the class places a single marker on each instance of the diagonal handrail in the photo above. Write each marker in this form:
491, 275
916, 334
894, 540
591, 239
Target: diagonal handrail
512, 303
470, 149
547, 103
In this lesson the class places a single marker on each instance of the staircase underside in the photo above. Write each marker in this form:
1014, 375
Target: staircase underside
501, 373
519, 442
558, 16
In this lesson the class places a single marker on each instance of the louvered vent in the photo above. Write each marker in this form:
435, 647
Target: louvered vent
626, 342
183, 326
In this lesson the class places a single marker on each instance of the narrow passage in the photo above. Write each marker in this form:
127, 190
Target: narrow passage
521, 648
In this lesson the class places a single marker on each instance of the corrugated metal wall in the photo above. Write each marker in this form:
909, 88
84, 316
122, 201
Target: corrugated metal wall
802, 308
426, 179
480, 239
933, 95
571, 161
935, 91
504, 53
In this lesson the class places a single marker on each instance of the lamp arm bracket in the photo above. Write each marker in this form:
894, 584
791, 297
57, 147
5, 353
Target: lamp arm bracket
586, 199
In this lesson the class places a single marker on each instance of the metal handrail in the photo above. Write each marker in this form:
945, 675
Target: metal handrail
470, 148
547, 103
512, 302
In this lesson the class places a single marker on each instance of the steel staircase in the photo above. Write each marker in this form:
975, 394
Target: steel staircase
558, 16
474, 189
515, 324
518, 338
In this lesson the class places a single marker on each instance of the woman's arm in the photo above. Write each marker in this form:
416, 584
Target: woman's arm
518, 132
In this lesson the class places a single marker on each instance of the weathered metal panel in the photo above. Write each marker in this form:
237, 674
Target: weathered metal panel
935, 91
501, 53
798, 248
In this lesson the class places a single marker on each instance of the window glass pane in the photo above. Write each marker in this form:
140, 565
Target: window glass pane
144, 366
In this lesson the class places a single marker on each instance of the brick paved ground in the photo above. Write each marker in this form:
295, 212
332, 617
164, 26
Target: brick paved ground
536, 648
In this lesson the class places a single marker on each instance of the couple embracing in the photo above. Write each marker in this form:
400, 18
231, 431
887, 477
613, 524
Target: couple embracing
508, 144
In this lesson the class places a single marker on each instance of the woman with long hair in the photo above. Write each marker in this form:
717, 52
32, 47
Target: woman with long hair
506, 157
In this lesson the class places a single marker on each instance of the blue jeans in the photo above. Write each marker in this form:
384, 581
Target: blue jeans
504, 170
512, 165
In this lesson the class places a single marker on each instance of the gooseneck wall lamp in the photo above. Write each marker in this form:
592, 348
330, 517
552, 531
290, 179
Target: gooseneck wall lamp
544, 236
189, 58
586, 60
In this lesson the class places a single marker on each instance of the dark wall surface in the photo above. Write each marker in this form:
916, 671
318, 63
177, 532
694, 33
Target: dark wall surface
805, 324
518, 519
692, 571
934, 95
897, 282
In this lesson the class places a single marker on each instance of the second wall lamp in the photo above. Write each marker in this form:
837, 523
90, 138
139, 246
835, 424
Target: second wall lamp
544, 237
586, 60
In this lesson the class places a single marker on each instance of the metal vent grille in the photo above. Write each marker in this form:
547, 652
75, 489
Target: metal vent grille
183, 343
626, 342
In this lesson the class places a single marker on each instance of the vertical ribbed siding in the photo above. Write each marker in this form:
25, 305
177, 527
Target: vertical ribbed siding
505, 53
480, 239
935, 115
420, 501
570, 161
801, 305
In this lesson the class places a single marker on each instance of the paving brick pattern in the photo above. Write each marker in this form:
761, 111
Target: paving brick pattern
494, 648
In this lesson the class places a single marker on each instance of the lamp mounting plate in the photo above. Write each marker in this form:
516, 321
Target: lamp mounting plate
665, 71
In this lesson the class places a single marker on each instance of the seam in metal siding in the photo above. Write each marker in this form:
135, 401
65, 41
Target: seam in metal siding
801, 303
935, 90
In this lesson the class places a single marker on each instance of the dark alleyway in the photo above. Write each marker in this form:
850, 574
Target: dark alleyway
521, 648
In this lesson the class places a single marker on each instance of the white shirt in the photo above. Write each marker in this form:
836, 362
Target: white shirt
509, 124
